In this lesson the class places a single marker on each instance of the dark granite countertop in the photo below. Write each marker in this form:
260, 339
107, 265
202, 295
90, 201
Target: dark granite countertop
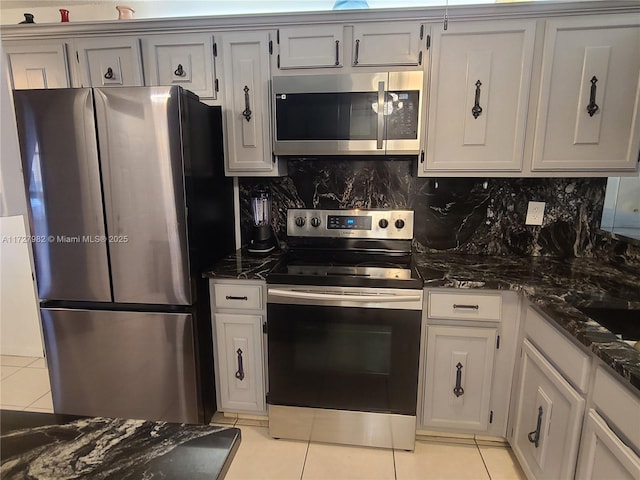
243, 265
555, 286
54, 446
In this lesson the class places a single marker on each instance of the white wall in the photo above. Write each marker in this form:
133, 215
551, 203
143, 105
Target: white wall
628, 205
20, 332
46, 11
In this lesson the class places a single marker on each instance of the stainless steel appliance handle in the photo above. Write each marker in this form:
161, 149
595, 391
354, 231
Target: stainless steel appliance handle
380, 115
352, 297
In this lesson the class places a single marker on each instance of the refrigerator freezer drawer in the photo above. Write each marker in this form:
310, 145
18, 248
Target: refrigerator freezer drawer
122, 364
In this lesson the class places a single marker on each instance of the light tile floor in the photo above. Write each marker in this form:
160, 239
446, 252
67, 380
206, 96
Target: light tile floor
24, 385
262, 457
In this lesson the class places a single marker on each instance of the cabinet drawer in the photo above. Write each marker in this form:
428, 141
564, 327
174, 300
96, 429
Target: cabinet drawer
566, 356
464, 306
618, 405
238, 296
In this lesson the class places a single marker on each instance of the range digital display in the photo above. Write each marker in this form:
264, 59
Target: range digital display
340, 222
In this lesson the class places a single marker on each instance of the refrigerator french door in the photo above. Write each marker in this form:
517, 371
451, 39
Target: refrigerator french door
128, 203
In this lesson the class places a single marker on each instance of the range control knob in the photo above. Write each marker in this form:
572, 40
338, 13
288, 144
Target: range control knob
399, 223
300, 221
315, 222
384, 223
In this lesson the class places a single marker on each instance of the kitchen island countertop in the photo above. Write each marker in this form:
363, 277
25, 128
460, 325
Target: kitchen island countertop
556, 286
54, 446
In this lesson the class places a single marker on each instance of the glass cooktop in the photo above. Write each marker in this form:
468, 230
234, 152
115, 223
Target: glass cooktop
371, 272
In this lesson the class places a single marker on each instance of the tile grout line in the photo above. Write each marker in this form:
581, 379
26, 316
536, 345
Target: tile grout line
48, 392
393, 456
11, 374
482, 458
305, 459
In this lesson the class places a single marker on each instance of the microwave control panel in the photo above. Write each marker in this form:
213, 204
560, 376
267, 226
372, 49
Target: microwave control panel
401, 113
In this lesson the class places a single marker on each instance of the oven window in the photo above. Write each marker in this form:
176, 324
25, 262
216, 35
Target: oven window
327, 116
343, 348
343, 358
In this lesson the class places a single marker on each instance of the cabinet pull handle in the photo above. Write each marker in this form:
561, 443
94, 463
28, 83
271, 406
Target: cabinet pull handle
109, 74
337, 52
179, 71
355, 61
458, 390
231, 297
534, 437
240, 371
477, 109
592, 108
471, 307
247, 111
380, 134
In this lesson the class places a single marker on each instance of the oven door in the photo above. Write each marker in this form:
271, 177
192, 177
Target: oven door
347, 114
359, 352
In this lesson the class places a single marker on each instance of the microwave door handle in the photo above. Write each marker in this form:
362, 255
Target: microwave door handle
380, 115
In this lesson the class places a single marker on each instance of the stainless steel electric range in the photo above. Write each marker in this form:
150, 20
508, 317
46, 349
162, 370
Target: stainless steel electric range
344, 318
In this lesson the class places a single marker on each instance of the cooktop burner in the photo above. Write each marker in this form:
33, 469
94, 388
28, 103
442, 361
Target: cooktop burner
361, 248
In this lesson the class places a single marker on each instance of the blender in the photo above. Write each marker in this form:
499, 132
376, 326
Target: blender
262, 239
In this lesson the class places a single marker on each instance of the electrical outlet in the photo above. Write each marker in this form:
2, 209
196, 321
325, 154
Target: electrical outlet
535, 213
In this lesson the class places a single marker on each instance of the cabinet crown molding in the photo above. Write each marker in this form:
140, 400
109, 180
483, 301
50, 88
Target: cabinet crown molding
457, 13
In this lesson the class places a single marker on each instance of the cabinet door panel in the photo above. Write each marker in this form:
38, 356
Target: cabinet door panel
603, 455
38, 66
585, 59
185, 60
110, 62
239, 354
391, 43
459, 376
479, 95
246, 101
549, 416
311, 47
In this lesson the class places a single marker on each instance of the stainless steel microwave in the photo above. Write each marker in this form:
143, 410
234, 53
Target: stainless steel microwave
362, 113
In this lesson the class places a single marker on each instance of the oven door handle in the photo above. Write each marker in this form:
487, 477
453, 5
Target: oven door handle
346, 296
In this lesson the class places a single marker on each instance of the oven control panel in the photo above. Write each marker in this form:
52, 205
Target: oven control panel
352, 223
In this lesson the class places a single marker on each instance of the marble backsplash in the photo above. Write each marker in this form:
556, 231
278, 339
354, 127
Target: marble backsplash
466, 215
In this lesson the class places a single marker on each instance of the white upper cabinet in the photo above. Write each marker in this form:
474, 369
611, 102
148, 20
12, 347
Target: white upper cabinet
245, 56
478, 96
185, 60
110, 61
389, 43
310, 46
588, 108
38, 65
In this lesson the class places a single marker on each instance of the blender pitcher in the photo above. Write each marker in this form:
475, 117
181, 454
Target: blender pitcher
262, 240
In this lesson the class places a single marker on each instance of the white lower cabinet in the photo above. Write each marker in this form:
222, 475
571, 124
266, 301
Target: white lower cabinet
603, 456
548, 419
238, 313
468, 350
239, 356
459, 375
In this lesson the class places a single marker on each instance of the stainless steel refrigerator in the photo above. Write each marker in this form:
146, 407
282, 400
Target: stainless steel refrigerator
128, 205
